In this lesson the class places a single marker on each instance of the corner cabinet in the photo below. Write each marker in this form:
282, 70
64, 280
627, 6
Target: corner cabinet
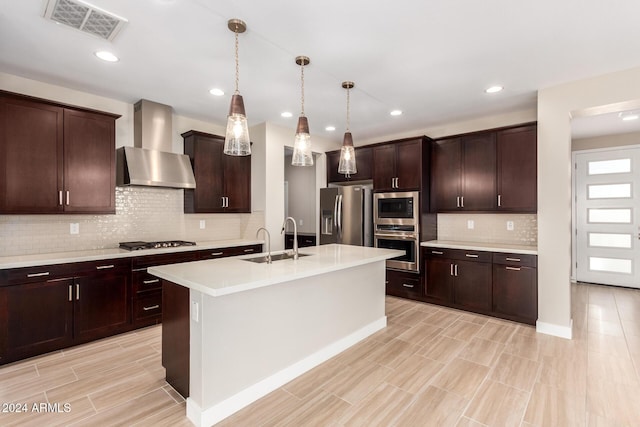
223, 183
55, 158
488, 171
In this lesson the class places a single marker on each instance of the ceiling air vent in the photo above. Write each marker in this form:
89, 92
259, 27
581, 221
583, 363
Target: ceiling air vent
85, 17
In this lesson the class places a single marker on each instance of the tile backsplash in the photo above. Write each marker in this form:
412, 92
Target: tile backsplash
142, 213
489, 228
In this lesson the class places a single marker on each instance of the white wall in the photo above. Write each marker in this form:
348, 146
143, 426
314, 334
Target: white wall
606, 141
556, 105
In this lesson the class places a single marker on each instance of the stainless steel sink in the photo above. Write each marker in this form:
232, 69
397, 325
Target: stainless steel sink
274, 257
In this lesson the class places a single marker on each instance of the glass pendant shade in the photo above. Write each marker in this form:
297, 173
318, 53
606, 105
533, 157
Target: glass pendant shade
302, 155
347, 165
236, 141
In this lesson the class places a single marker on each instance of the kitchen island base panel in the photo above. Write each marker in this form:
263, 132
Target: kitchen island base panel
247, 344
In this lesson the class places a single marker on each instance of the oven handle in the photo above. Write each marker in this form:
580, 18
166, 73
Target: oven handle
398, 236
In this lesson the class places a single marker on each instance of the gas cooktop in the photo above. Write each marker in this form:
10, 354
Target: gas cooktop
136, 246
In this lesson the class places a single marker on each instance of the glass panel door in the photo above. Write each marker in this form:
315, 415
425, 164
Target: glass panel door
607, 217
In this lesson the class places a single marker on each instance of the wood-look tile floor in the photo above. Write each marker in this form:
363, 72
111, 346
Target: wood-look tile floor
430, 366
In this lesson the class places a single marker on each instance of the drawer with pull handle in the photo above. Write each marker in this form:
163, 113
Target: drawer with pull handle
515, 260
147, 305
469, 255
143, 281
16, 276
403, 284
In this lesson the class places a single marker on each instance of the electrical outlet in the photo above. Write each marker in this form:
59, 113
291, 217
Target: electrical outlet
301, 222
203, 224
509, 225
74, 228
470, 224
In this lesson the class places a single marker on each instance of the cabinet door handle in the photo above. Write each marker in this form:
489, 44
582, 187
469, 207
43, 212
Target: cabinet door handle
249, 250
148, 282
68, 198
44, 273
462, 201
455, 270
217, 253
499, 200
451, 270
471, 255
70, 293
153, 307
406, 285
77, 292
458, 202
513, 259
60, 198
437, 252
104, 267
513, 268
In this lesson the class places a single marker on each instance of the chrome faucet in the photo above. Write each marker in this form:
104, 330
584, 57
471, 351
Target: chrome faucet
268, 242
295, 235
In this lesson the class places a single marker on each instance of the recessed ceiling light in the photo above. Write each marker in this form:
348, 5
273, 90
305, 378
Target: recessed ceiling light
330, 128
286, 114
107, 56
396, 112
629, 115
216, 92
494, 89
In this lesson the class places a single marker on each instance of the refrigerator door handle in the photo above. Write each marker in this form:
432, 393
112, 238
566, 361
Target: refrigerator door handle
340, 216
335, 212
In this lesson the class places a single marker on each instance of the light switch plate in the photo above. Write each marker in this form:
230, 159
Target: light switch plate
470, 224
203, 224
74, 228
195, 315
509, 225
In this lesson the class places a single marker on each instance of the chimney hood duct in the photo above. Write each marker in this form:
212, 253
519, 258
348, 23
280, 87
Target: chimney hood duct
150, 161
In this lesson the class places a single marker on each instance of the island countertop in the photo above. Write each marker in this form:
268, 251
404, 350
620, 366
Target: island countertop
231, 275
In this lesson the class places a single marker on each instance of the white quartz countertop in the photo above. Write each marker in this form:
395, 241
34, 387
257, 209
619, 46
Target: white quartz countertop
226, 276
476, 246
100, 254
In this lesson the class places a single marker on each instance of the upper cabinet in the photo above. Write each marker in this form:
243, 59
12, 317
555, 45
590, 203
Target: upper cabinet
55, 158
223, 183
398, 165
485, 172
364, 157
517, 169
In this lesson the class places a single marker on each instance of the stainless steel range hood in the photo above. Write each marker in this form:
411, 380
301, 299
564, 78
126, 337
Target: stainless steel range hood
150, 161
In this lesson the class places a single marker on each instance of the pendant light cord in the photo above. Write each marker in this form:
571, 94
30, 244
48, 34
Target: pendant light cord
302, 88
237, 63
348, 116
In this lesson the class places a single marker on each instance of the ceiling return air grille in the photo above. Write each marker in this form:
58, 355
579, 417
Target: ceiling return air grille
85, 17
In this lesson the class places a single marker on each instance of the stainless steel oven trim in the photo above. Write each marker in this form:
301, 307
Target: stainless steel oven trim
402, 265
397, 221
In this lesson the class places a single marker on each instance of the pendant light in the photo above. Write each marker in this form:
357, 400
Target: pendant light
236, 141
347, 164
302, 155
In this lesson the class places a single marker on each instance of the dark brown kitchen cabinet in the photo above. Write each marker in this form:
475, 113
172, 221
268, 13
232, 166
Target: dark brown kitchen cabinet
403, 284
515, 287
223, 183
35, 318
51, 307
458, 278
55, 158
517, 169
364, 159
398, 165
464, 173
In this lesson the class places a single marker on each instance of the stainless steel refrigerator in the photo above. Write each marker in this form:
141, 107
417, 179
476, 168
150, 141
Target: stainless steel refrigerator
346, 215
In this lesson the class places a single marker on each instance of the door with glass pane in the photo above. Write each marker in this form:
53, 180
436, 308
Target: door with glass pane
607, 215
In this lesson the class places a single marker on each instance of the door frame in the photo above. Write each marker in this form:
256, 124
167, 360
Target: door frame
574, 196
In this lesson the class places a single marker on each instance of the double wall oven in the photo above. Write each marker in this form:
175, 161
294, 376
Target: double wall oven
396, 221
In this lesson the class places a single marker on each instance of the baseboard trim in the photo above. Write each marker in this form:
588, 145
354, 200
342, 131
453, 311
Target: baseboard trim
218, 412
555, 330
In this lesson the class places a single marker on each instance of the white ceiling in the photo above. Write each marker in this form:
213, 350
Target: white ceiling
431, 59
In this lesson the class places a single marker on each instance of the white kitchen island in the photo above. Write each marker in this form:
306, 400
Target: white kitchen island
249, 328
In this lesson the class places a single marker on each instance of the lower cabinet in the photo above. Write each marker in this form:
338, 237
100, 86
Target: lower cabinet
304, 240
52, 307
403, 284
497, 284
